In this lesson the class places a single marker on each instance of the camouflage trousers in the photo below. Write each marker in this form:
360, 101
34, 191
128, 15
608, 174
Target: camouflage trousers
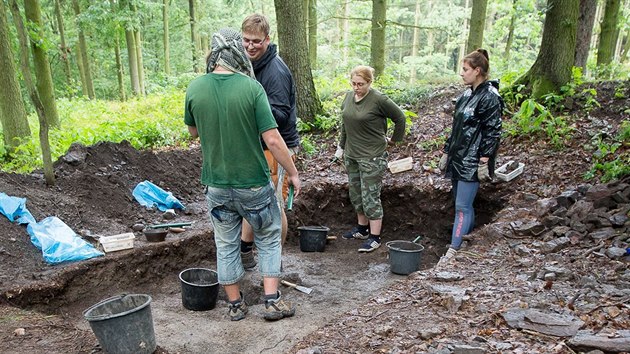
365, 178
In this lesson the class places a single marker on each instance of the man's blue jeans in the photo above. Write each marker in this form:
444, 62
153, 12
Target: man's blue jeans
227, 208
464, 193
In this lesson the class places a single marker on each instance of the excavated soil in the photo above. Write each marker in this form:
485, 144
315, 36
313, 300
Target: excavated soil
357, 304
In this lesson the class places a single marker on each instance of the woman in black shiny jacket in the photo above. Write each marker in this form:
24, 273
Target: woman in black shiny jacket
470, 150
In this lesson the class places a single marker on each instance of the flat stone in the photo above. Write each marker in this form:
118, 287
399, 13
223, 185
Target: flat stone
598, 191
615, 252
555, 245
551, 221
580, 209
524, 228
587, 340
567, 198
467, 349
561, 230
618, 220
544, 206
546, 323
448, 276
602, 234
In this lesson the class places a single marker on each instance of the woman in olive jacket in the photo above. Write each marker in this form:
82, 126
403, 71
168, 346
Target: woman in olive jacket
470, 150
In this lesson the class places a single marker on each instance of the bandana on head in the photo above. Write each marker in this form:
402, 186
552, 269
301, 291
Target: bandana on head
228, 52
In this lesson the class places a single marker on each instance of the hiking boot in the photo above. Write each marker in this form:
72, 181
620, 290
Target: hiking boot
248, 260
237, 311
357, 233
370, 245
278, 309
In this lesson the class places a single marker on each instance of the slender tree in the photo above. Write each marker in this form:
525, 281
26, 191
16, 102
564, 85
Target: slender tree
137, 36
65, 50
415, 44
510, 39
193, 35
584, 31
119, 67
379, 22
85, 60
12, 112
609, 33
131, 51
477, 24
294, 50
167, 49
552, 67
32, 12
49, 174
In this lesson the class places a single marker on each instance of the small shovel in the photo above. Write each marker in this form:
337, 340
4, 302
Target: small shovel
301, 288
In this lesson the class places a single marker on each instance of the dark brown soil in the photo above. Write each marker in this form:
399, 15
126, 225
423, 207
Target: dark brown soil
94, 198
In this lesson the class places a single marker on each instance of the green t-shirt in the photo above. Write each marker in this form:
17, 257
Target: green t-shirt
364, 124
230, 112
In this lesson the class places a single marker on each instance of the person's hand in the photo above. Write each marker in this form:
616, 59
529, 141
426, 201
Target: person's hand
297, 186
443, 161
483, 174
338, 153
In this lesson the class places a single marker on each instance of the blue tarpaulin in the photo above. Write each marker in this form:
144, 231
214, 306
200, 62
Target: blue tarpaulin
55, 239
150, 195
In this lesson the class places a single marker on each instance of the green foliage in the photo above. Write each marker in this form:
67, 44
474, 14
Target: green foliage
534, 119
308, 146
611, 157
150, 122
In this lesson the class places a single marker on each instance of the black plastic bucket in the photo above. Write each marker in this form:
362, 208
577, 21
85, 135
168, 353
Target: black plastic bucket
123, 324
200, 288
313, 238
404, 256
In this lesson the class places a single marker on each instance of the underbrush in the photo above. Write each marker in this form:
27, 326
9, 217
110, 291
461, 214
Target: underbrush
148, 122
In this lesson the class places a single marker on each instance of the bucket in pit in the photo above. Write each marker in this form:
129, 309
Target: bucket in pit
123, 324
313, 238
200, 288
404, 256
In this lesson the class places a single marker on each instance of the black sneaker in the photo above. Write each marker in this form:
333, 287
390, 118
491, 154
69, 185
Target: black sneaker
370, 245
248, 260
356, 233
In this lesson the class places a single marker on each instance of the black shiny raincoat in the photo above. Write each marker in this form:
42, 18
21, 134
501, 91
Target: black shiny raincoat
476, 131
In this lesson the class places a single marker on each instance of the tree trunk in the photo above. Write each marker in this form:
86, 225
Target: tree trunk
12, 112
312, 33
62, 44
379, 22
414, 45
119, 68
477, 24
345, 29
462, 47
167, 55
552, 67
77, 52
32, 12
584, 31
609, 32
510, 39
193, 35
294, 51
626, 49
138, 40
133, 62
137, 36
84, 55
49, 174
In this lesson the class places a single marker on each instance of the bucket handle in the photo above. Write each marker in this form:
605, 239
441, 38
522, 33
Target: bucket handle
417, 239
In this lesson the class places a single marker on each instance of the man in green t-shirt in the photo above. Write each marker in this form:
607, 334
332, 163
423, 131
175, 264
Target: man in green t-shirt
229, 112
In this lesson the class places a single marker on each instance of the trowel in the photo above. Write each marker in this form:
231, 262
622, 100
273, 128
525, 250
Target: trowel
301, 288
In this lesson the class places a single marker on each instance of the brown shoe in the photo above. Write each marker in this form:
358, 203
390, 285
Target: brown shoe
278, 309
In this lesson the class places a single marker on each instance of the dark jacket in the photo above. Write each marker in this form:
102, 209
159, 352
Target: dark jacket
476, 131
275, 77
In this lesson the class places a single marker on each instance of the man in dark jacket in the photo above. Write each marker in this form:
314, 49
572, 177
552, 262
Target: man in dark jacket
275, 77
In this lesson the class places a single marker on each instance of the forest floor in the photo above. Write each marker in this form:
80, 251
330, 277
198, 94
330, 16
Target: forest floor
357, 305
